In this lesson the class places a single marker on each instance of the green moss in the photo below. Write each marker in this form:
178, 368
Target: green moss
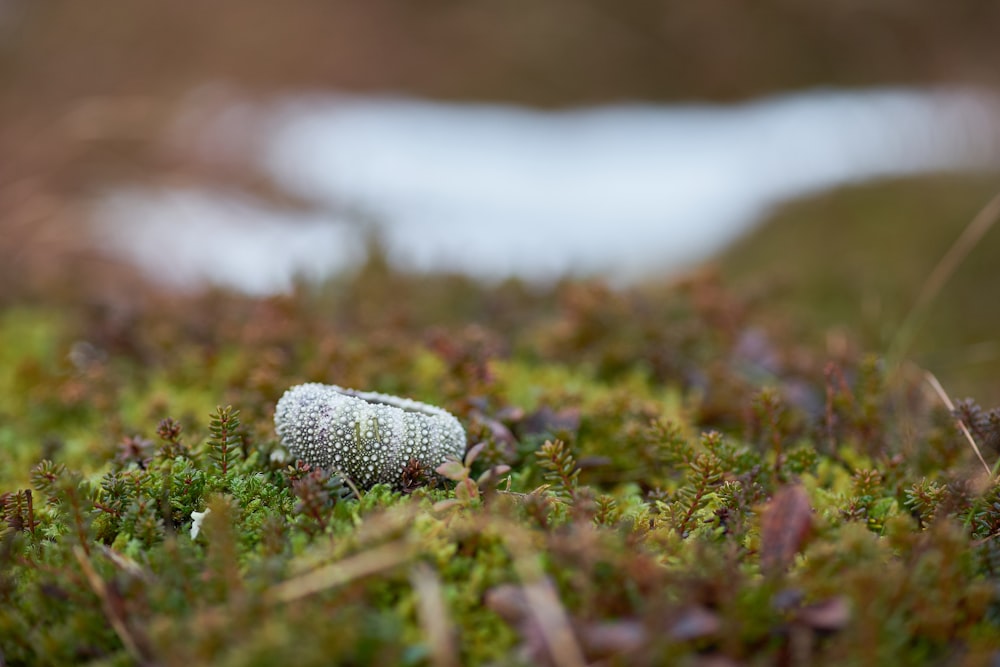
641, 503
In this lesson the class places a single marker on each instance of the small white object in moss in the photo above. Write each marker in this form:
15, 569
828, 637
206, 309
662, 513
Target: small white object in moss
196, 519
367, 436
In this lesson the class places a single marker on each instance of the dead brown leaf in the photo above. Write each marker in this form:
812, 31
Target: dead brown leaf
785, 524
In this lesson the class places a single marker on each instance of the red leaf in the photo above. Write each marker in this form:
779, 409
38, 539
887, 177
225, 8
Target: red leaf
453, 470
492, 473
474, 453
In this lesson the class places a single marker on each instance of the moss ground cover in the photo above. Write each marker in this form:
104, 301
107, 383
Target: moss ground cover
702, 473
657, 476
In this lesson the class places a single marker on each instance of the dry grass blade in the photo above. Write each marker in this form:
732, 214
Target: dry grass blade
939, 390
343, 571
942, 272
434, 616
546, 608
111, 610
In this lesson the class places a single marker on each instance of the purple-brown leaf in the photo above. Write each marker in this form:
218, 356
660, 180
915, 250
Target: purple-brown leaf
694, 623
785, 525
828, 615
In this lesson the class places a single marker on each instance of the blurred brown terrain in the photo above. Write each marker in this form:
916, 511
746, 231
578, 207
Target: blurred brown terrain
88, 89
858, 265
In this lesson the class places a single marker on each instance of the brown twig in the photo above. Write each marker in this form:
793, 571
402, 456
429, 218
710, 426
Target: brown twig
31, 512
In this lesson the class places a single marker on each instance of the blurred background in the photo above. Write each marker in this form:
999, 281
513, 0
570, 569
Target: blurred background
821, 158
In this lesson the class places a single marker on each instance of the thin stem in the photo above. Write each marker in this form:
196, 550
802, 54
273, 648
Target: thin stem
939, 276
933, 382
